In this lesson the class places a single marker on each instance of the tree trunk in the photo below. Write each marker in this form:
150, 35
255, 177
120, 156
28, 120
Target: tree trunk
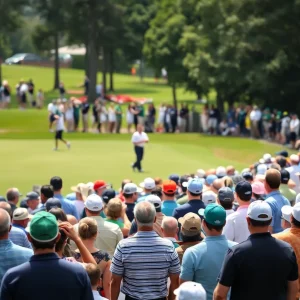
142, 69
92, 63
0, 72
104, 70
111, 70
220, 103
86, 60
174, 95
56, 61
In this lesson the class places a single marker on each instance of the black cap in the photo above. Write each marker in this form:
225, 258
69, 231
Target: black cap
283, 153
247, 175
53, 203
174, 177
244, 190
225, 194
285, 176
108, 195
237, 178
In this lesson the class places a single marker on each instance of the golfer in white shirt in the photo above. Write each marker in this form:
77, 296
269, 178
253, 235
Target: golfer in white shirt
139, 139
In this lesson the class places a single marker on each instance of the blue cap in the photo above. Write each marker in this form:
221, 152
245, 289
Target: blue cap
210, 179
195, 186
175, 178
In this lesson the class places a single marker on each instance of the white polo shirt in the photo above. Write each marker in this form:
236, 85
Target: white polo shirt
236, 228
138, 137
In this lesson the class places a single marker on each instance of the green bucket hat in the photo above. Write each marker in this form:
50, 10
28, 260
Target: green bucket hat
43, 227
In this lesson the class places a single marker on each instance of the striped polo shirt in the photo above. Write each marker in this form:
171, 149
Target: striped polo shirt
145, 261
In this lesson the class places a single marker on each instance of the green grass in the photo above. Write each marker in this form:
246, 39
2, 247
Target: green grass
123, 84
26, 145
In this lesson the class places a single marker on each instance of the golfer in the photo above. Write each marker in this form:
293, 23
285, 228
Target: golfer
139, 138
60, 127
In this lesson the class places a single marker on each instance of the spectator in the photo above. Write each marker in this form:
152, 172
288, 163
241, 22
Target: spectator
225, 199
182, 198
294, 169
190, 290
173, 117
46, 193
236, 228
69, 116
112, 118
119, 117
109, 234
294, 130
82, 191
209, 197
252, 270
31, 93
285, 189
194, 193
130, 194
286, 212
88, 232
68, 207
255, 117
155, 200
148, 185
212, 120
143, 270
141, 114
108, 195
11, 255
122, 187
169, 201
230, 170
202, 263
100, 186
94, 274
151, 117
275, 199
209, 181
32, 201
169, 228
20, 218
190, 233
183, 117
61, 279
13, 197
248, 176
85, 107
16, 235
258, 191
216, 185
53, 203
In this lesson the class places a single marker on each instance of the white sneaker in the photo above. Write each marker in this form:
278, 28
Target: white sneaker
69, 145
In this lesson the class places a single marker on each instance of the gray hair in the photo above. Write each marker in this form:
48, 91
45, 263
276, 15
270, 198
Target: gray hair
144, 213
169, 225
4, 222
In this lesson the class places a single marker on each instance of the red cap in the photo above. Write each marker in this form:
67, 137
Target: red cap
99, 184
169, 186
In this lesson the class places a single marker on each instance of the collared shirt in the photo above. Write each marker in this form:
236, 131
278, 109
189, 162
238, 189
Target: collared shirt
293, 170
276, 202
182, 200
129, 211
139, 137
145, 261
67, 206
109, 235
19, 237
259, 268
192, 206
168, 207
173, 240
41, 208
12, 255
203, 262
48, 274
229, 212
287, 192
142, 198
19, 227
183, 246
292, 236
236, 228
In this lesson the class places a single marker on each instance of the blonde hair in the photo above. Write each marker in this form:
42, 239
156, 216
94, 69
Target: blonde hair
87, 228
114, 208
228, 182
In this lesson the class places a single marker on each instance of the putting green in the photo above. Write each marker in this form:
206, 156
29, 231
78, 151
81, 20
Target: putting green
27, 162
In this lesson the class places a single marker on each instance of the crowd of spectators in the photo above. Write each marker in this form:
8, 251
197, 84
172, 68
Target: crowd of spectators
214, 234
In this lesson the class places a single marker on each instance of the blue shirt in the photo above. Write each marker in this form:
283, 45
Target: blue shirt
41, 208
19, 227
202, 263
168, 206
71, 197
47, 277
191, 206
19, 237
142, 198
276, 202
12, 255
67, 206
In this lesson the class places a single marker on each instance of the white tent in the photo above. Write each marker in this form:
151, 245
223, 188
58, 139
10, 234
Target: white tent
72, 50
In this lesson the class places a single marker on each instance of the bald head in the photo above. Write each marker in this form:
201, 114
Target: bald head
230, 170
169, 226
6, 206
217, 184
72, 220
12, 195
4, 224
273, 179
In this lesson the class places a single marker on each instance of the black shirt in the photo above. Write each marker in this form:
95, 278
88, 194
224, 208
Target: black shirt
31, 87
129, 211
259, 268
184, 112
85, 108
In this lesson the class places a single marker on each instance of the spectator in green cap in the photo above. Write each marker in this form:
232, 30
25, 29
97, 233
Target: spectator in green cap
202, 263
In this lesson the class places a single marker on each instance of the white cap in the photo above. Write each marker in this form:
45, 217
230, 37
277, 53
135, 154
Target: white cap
294, 158
261, 161
296, 212
155, 200
259, 211
261, 169
131, 188
200, 173
221, 172
209, 197
298, 198
267, 157
148, 184
286, 212
20, 214
93, 203
190, 290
